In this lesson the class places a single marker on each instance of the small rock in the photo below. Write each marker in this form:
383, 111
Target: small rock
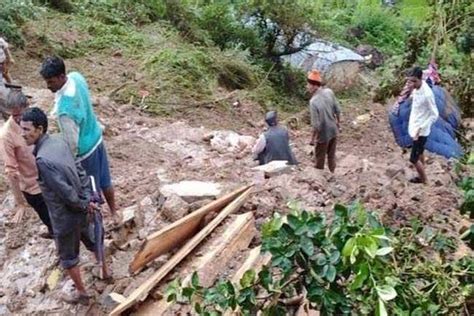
393, 170
198, 204
349, 164
30, 293
53, 279
112, 299
338, 191
134, 244
174, 208
258, 177
147, 201
109, 246
361, 119
8, 203
143, 233
119, 264
128, 214
375, 57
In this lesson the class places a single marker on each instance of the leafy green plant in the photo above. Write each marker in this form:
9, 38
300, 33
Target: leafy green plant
13, 14
468, 236
350, 263
467, 186
380, 26
464, 169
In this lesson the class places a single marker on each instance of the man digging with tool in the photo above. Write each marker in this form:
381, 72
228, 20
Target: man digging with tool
66, 191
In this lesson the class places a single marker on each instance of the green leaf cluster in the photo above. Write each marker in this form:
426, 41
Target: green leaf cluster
347, 263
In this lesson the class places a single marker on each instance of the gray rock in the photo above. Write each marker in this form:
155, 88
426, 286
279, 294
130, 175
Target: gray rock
274, 168
128, 214
112, 299
174, 208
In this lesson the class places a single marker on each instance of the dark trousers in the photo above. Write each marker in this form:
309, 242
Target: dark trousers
37, 203
69, 244
326, 149
417, 149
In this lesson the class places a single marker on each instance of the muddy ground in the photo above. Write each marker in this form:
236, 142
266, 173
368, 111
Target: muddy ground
148, 152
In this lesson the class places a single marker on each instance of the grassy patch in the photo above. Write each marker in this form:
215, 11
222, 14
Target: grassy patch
417, 11
13, 14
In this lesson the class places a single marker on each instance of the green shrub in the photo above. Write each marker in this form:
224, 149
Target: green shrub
415, 11
351, 263
181, 69
116, 36
64, 6
235, 74
13, 13
380, 26
188, 69
224, 28
135, 12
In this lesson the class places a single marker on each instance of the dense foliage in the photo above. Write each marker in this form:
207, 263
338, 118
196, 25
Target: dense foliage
466, 184
410, 32
347, 264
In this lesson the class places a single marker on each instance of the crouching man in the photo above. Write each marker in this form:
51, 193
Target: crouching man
66, 191
274, 144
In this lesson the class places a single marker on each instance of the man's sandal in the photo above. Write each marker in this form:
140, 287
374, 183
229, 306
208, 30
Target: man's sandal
46, 235
75, 299
415, 180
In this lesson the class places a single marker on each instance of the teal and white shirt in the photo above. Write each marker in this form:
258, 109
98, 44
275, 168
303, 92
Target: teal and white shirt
77, 120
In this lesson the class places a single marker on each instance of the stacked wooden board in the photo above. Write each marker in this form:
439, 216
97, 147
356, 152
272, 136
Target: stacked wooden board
184, 236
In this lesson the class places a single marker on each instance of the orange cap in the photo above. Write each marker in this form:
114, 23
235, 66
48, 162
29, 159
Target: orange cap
314, 75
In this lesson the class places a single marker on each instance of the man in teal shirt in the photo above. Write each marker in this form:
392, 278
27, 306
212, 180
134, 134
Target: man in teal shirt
78, 123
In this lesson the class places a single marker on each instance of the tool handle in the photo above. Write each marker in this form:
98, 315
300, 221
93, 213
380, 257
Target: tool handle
94, 189
95, 195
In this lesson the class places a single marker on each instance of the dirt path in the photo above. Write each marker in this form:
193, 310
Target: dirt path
147, 153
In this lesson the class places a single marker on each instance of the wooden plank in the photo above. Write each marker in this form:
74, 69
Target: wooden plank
255, 260
175, 234
143, 290
236, 237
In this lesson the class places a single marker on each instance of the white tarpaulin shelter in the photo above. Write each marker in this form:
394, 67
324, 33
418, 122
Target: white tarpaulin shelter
321, 55
338, 65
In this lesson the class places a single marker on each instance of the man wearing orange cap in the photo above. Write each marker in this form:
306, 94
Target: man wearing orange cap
325, 111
